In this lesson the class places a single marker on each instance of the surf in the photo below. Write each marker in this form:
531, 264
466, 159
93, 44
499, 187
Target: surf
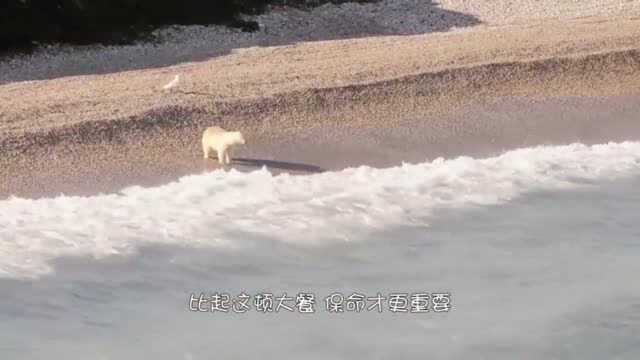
224, 208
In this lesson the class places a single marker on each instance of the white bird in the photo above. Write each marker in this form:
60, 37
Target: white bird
173, 83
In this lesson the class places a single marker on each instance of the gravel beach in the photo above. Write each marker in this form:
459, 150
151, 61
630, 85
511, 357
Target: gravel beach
353, 79
288, 26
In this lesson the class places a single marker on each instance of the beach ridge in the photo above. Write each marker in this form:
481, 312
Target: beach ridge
621, 67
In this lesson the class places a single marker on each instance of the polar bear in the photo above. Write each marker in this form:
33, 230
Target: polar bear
219, 140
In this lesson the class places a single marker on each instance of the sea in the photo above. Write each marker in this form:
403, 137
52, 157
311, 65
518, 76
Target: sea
532, 254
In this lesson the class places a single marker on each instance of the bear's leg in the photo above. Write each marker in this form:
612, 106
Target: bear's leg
227, 157
221, 155
206, 150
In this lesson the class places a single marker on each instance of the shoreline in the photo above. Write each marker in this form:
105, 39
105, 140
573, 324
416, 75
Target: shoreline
328, 105
481, 129
493, 163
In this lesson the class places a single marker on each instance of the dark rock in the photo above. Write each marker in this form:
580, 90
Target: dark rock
25, 22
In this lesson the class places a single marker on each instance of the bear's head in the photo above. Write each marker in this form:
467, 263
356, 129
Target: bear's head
239, 139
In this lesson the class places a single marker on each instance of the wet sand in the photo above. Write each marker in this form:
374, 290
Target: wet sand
478, 129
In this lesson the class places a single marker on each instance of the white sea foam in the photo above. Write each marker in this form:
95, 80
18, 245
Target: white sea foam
224, 208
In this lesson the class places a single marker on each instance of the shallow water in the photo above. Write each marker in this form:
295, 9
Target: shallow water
538, 248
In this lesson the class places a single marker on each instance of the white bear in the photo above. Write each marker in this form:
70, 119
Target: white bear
219, 140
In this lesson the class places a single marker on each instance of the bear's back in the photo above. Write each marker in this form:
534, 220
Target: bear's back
216, 136
214, 133
214, 130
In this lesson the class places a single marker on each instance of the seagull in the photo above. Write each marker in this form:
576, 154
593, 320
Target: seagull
173, 83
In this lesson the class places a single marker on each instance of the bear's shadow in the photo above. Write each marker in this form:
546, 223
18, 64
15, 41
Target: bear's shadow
280, 165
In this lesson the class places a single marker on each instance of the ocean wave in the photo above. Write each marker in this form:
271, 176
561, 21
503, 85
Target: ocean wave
224, 208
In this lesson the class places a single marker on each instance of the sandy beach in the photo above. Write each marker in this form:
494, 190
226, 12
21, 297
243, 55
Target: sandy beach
305, 107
